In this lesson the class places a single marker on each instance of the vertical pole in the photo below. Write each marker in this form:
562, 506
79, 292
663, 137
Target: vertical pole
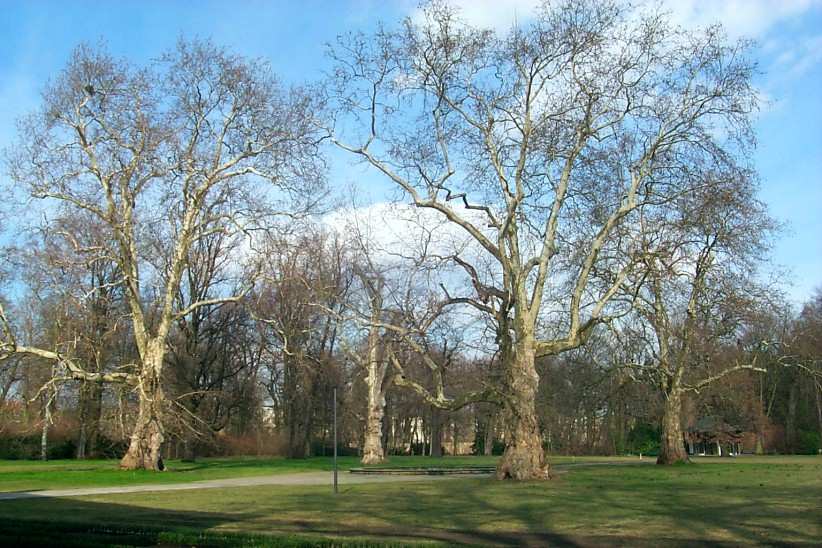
335, 439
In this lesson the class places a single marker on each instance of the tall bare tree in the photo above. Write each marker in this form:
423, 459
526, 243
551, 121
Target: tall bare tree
305, 281
202, 141
700, 290
541, 144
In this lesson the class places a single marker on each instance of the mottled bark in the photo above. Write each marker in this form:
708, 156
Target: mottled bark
148, 434
44, 432
373, 452
375, 375
147, 437
524, 458
672, 445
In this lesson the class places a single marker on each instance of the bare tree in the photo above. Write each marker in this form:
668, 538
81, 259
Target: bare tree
397, 314
200, 142
700, 291
212, 365
808, 348
305, 282
373, 362
541, 145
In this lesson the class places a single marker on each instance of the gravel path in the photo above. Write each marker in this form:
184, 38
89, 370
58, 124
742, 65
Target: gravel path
304, 478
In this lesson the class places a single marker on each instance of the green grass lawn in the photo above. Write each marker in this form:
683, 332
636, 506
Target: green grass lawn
65, 474
735, 501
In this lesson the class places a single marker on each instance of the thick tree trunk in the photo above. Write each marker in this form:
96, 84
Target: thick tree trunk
672, 446
147, 438
524, 458
372, 452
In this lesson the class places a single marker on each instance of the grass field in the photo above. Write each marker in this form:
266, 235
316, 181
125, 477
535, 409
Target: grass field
65, 474
722, 501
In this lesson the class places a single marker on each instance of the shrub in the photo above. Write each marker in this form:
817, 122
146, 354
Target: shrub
808, 442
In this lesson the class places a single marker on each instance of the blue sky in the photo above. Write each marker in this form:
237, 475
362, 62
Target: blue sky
38, 36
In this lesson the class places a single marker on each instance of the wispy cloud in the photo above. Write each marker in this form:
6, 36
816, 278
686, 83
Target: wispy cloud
494, 14
800, 57
751, 18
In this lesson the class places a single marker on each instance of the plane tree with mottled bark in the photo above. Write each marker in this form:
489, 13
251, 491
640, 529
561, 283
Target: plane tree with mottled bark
397, 311
540, 144
200, 141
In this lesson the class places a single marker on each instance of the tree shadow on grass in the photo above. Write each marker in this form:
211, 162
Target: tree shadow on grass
708, 510
47, 521
653, 509
644, 508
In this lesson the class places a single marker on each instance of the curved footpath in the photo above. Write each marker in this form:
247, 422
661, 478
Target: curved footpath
303, 478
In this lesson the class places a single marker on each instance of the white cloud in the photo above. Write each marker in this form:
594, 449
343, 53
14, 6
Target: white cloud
394, 232
799, 59
751, 18
500, 15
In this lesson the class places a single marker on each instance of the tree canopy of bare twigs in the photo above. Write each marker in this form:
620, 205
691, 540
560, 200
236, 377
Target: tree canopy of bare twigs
160, 157
542, 144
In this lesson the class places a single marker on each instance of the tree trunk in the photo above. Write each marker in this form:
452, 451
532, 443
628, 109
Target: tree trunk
44, 433
82, 439
376, 369
372, 452
790, 419
81, 442
672, 447
436, 432
524, 458
189, 450
818, 394
299, 432
147, 438
91, 396
298, 392
488, 443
